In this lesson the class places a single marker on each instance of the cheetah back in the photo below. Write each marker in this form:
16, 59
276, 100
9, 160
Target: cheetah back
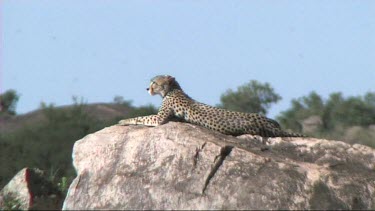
221, 120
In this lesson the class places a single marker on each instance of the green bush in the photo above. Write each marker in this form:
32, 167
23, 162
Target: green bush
46, 145
8, 102
338, 115
253, 97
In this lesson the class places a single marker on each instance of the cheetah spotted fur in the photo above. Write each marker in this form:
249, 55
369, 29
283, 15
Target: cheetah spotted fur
177, 104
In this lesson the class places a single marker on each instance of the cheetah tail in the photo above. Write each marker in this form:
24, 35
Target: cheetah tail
291, 134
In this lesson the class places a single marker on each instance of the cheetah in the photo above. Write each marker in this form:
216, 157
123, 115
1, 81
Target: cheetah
177, 104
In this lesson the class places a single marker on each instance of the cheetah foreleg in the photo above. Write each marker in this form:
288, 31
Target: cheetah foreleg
151, 120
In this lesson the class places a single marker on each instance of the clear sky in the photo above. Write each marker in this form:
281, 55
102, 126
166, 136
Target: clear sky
96, 49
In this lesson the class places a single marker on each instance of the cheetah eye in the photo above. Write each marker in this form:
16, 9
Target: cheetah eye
155, 83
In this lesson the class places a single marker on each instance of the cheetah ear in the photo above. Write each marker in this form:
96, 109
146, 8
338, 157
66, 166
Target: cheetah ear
170, 78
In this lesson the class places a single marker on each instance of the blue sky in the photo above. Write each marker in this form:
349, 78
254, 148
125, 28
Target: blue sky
53, 50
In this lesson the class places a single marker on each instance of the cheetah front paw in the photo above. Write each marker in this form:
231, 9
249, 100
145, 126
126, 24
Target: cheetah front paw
125, 122
122, 122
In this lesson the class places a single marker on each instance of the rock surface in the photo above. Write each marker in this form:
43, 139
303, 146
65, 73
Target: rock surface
30, 189
182, 166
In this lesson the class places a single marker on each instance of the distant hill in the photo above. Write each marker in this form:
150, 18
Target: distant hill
99, 111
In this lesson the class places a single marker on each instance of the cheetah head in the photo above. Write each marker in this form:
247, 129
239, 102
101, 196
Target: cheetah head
162, 84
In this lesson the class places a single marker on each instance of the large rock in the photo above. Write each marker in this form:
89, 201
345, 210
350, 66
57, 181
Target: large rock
182, 166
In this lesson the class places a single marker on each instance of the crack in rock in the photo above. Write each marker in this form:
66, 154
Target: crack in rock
196, 155
224, 152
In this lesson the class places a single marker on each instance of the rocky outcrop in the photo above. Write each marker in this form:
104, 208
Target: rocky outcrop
182, 166
30, 189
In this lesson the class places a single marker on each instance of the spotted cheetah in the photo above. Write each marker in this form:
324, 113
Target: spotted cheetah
177, 104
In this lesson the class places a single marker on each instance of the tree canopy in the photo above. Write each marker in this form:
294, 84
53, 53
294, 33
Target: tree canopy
253, 97
335, 111
8, 102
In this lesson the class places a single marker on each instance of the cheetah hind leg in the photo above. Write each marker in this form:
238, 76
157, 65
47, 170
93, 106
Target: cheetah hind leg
151, 120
